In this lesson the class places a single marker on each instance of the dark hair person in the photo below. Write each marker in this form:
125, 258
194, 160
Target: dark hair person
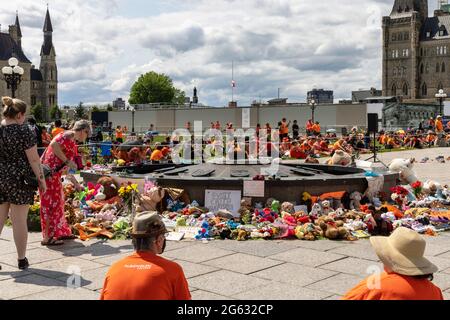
18, 159
60, 153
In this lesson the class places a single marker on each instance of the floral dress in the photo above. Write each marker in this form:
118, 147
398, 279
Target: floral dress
52, 201
14, 166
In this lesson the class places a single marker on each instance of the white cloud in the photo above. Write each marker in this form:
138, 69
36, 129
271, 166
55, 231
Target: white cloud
104, 46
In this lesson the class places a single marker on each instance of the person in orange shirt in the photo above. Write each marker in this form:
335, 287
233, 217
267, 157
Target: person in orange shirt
144, 275
119, 134
157, 154
408, 274
46, 138
57, 130
439, 126
284, 129
316, 128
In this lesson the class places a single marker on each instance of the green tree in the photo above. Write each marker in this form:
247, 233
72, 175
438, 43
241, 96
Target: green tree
109, 108
80, 113
38, 112
55, 113
154, 88
95, 109
180, 97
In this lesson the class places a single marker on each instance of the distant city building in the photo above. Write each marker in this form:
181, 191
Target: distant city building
278, 101
361, 95
119, 104
38, 86
321, 96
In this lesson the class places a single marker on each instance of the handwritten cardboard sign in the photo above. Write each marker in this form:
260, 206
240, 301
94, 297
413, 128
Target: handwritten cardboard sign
189, 232
216, 200
254, 189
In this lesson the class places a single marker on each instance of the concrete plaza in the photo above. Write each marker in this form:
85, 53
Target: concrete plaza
292, 270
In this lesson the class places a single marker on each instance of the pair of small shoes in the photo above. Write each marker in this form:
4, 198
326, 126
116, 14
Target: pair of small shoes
52, 242
424, 160
23, 264
440, 159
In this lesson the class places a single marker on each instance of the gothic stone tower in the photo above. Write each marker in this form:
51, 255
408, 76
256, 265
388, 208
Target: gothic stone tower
416, 51
48, 67
401, 48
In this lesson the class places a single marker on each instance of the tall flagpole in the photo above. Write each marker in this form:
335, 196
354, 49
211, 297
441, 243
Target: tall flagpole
232, 81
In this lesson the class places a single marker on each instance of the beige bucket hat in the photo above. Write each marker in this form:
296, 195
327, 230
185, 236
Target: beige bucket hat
148, 225
403, 253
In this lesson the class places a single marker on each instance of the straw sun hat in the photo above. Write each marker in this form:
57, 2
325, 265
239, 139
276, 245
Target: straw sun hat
403, 253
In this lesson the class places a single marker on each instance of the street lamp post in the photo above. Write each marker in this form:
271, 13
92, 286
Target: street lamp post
313, 109
133, 110
13, 75
441, 96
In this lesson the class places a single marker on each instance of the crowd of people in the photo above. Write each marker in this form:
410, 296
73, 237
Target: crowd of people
145, 274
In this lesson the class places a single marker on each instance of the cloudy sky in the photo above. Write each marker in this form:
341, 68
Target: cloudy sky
103, 46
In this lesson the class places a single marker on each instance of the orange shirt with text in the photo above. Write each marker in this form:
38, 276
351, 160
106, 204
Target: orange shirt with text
393, 286
145, 276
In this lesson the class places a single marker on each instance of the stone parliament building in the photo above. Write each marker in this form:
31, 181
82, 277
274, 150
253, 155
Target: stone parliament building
39, 86
416, 61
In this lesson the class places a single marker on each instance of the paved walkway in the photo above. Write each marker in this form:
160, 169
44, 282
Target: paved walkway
272, 270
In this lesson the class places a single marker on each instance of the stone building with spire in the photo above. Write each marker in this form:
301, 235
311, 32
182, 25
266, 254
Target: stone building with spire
39, 85
416, 50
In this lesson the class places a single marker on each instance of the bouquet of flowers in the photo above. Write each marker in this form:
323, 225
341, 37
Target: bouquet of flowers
417, 187
127, 193
399, 195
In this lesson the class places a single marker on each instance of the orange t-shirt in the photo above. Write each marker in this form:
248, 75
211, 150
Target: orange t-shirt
394, 286
57, 131
439, 126
284, 128
316, 128
119, 134
145, 276
157, 155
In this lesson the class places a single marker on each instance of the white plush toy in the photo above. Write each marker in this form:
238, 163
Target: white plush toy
405, 168
316, 211
432, 188
100, 194
326, 208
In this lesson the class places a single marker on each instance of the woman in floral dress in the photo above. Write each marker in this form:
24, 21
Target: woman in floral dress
60, 153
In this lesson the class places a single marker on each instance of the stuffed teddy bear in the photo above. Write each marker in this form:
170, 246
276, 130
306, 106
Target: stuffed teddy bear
150, 200
333, 230
242, 235
245, 212
308, 231
287, 207
100, 196
110, 188
405, 168
340, 158
432, 188
355, 203
326, 207
316, 211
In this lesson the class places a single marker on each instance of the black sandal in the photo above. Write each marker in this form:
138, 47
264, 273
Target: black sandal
23, 264
52, 242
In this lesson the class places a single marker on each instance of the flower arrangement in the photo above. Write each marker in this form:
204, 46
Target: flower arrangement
418, 188
127, 193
